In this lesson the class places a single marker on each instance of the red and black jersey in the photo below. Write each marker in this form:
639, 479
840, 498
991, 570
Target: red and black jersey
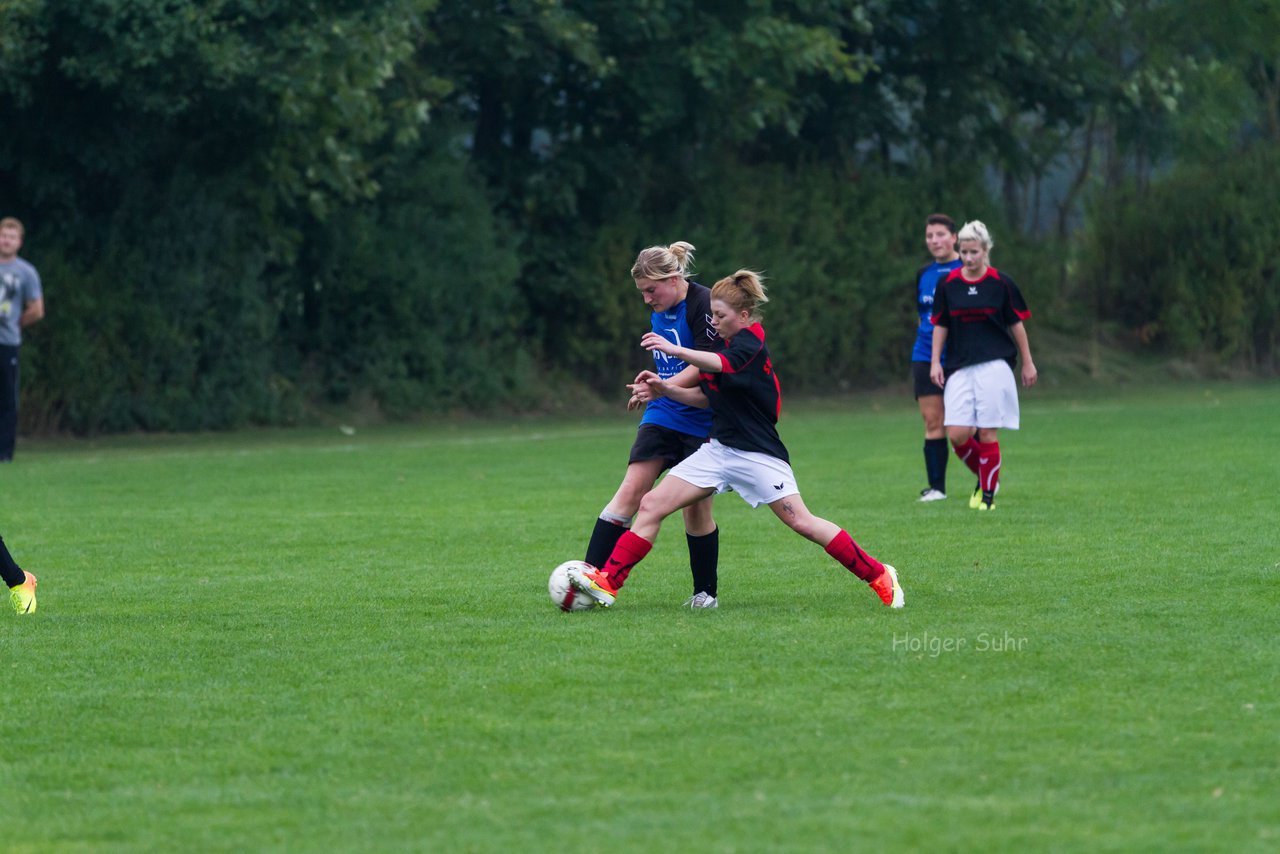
745, 397
977, 316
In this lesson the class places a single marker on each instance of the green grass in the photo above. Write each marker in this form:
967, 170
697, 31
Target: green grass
308, 641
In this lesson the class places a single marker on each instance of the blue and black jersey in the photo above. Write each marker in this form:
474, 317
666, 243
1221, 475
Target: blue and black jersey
927, 280
977, 316
686, 325
746, 397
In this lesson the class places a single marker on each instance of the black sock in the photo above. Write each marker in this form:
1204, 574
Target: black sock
935, 463
704, 560
603, 538
13, 576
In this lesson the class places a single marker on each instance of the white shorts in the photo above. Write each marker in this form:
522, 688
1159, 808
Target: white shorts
982, 395
758, 478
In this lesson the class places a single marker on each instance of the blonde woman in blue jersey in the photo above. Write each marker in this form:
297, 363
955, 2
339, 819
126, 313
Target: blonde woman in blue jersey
670, 431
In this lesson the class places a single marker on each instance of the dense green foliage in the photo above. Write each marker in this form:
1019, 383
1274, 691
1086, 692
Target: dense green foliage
271, 641
244, 210
1190, 265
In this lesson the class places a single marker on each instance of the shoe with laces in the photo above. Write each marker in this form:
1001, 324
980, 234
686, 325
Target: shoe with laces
932, 494
23, 596
888, 588
595, 584
701, 599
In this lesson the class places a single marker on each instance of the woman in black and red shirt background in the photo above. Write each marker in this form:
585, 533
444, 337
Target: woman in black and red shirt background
978, 315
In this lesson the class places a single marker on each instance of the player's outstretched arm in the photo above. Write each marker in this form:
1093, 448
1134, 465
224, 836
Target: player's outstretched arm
688, 378
701, 359
654, 386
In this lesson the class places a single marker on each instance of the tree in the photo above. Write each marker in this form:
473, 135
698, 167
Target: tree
149, 127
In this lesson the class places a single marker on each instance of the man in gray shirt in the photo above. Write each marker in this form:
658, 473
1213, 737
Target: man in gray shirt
21, 304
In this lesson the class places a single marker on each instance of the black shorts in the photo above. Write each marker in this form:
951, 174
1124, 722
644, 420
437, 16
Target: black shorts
671, 446
924, 386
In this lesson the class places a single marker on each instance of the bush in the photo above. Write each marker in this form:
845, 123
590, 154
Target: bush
414, 298
167, 327
1187, 266
839, 252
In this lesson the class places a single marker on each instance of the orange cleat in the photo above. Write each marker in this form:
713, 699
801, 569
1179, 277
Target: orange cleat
888, 588
595, 584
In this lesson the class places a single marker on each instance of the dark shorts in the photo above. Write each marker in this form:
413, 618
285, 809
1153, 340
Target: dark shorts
924, 386
671, 446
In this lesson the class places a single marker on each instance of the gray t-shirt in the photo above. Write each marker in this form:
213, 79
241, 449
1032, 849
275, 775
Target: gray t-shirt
19, 285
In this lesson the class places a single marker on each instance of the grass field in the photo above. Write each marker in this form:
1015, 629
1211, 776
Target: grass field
310, 641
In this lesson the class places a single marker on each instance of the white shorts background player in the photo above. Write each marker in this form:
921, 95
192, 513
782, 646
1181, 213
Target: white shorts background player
983, 395
978, 315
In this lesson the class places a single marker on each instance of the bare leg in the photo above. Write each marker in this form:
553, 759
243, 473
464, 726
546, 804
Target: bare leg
931, 411
835, 541
637, 481
613, 521
666, 498
796, 516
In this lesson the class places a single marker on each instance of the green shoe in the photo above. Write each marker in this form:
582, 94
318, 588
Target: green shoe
982, 505
23, 596
975, 500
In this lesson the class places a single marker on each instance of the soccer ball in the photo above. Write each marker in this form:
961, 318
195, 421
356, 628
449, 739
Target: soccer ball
562, 592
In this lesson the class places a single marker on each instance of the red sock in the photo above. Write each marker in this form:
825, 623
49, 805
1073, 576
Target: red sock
968, 454
846, 551
629, 551
988, 467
